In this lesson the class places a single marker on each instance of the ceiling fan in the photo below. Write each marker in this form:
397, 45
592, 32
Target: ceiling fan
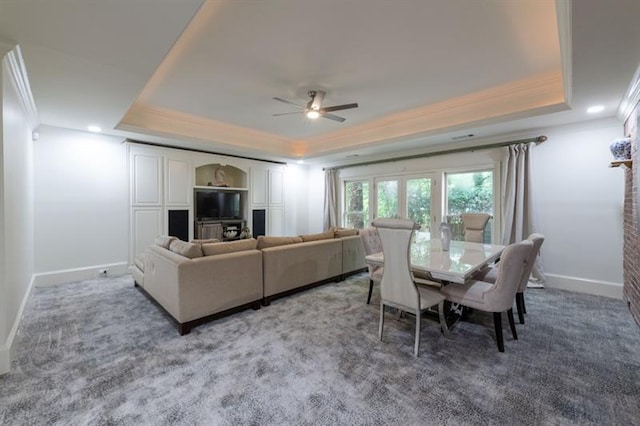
314, 108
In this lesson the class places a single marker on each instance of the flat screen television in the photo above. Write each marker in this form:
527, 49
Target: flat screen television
217, 205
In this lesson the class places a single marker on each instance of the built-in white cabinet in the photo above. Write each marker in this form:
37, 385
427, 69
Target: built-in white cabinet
276, 188
259, 179
146, 172
178, 185
146, 225
162, 181
267, 192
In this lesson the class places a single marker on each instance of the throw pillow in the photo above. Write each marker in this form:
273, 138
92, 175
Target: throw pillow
266, 242
315, 237
164, 241
229, 247
186, 249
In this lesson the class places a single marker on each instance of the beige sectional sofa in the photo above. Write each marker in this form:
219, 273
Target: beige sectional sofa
202, 280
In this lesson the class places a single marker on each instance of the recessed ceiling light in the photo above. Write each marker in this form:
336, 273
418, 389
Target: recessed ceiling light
94, 129
595, 109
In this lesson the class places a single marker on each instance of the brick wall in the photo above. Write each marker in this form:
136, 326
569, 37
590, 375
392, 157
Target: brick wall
631, 261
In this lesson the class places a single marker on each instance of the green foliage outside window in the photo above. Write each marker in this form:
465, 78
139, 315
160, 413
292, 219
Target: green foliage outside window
387, 198
469, 193
356, 204
419, 202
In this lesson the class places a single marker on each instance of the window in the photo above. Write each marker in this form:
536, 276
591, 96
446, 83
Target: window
387, 198
356, 204
470, 192
419, 202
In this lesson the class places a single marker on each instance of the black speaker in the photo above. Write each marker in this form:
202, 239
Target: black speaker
258, 218
179, 224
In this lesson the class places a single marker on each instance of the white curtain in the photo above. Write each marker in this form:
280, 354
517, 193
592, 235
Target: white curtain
330, 198
518, 207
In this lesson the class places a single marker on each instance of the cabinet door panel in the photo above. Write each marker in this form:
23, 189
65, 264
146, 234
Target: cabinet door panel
258, 187
146, 180
276, 221
276, 192
146, 226
178, 187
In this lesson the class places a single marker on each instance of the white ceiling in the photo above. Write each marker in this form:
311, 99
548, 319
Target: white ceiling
422, 71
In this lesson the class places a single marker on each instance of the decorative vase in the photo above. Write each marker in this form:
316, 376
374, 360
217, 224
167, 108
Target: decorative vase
621, 149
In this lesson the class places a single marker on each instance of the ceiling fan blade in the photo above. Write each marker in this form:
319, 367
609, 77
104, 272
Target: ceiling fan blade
288, 102
332, 117
287, 113
339, 107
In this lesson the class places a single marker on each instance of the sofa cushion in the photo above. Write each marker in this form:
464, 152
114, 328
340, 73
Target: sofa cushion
208, 241
186, 249
229, 247
345, 232
266, 242
315, 237
164, 241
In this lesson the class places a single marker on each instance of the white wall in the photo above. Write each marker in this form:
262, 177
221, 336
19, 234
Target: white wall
16, 215
315, 210
81, 205
296, 199
580, 207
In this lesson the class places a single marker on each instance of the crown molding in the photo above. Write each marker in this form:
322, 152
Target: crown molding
18, 73
631, 97
537, 94
142, 118
563, 15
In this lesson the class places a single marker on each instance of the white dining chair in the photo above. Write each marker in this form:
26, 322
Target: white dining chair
490, 274
398, 288
372, 244
474, 224
495, 297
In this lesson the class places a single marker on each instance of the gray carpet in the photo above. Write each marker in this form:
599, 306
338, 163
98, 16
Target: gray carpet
98, 352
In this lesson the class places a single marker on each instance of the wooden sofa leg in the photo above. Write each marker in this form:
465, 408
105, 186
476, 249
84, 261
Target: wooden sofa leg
266, 301
255, 305
184, 328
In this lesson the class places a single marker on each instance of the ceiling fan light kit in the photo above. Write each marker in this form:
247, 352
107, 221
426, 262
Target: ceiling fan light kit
314, 108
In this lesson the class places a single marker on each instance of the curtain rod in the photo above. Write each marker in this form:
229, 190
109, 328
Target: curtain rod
537, 140
202, 150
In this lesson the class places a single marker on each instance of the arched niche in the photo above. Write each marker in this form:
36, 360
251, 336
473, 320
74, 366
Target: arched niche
221, 175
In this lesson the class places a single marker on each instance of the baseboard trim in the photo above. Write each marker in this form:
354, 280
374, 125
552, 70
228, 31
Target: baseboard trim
582, 285
7, 348
44, 279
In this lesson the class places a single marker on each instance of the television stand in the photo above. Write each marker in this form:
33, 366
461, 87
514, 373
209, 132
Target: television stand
217, 228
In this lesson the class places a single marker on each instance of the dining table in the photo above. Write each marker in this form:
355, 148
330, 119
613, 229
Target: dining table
456, 265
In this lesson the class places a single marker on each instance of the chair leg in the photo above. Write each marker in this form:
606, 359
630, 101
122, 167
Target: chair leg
370, 291
443, 320
520, 306
497, 322
416, 348
512, 324
381, 320
524, 307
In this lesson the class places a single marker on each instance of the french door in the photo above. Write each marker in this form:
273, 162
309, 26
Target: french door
408, 197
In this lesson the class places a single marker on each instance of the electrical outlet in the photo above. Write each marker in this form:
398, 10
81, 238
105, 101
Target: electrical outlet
102, 272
